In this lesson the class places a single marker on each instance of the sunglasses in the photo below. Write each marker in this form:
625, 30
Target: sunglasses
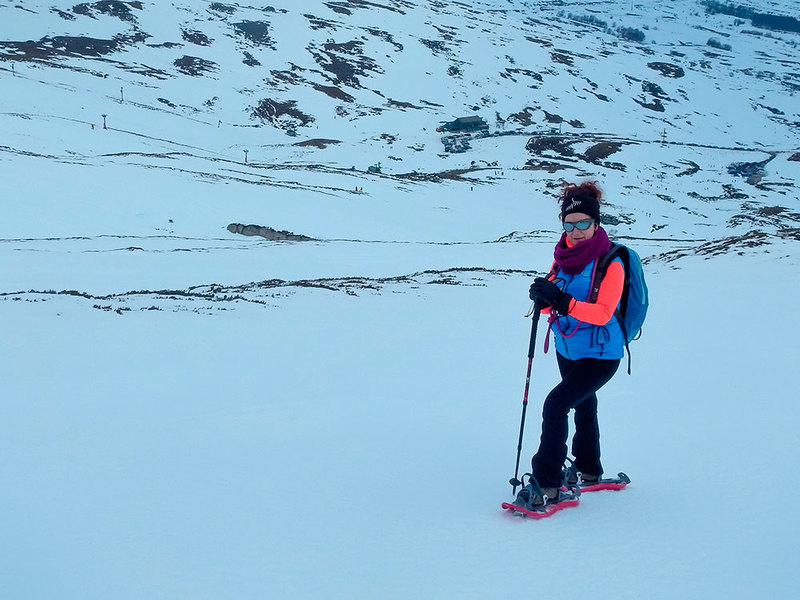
582, 225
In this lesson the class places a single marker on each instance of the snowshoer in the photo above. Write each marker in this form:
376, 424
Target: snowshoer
589, 342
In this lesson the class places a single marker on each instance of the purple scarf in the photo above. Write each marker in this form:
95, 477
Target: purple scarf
574, 260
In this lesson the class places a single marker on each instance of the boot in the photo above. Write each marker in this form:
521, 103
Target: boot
587, 479
549, 495
533, 496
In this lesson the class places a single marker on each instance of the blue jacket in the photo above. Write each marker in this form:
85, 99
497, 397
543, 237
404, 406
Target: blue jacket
574, 339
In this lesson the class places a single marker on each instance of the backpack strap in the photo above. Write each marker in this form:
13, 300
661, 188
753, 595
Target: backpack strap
598, 274
621, 322
553, 271
599, 271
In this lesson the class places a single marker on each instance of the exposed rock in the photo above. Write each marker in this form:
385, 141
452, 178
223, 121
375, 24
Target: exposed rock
192, 65
693, 168
344, 63
64, 15
509, 74
113, 8
256, 32
561, 57
655, 105
196, 37
250, 60
334, 92
437, 47
736, 244
318, 23
654, 90
318, 143
222, 8
64, 45
552, 118
667, 69
268, 233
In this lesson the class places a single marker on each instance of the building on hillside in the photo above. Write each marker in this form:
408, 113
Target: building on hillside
466, 124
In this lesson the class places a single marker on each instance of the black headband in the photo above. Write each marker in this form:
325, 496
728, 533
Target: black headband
581, 202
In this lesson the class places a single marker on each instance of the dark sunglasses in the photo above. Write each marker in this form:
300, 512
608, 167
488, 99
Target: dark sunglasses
582, 225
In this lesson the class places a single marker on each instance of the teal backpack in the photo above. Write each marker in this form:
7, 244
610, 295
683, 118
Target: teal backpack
634, 302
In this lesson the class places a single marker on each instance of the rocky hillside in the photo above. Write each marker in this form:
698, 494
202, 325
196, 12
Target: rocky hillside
690, 104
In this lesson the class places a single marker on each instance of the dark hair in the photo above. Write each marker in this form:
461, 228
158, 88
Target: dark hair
586, 188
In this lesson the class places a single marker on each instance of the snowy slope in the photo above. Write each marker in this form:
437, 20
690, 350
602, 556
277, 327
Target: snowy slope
192, 413
354, 447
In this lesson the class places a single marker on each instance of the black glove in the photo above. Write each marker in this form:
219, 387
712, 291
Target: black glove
546, 293
534, 295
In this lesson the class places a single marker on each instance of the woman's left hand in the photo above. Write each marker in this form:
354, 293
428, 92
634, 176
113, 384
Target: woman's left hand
547, 293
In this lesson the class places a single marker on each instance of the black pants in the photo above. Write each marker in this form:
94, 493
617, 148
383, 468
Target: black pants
580, 379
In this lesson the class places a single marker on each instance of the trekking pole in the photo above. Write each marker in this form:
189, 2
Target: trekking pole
531, 348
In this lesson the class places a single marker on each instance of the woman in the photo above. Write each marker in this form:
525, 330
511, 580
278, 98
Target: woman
589, 342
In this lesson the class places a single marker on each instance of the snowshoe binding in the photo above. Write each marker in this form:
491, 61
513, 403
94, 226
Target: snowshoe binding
533, 501
593, 483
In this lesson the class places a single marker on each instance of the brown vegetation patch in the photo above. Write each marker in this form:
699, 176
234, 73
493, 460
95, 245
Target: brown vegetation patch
558, 144
602, 150
283, 115
523, 117
451, 174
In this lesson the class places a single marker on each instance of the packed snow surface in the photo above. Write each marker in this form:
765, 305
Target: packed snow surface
191, 413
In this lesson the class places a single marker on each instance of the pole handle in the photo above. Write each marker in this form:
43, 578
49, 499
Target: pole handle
534, 327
